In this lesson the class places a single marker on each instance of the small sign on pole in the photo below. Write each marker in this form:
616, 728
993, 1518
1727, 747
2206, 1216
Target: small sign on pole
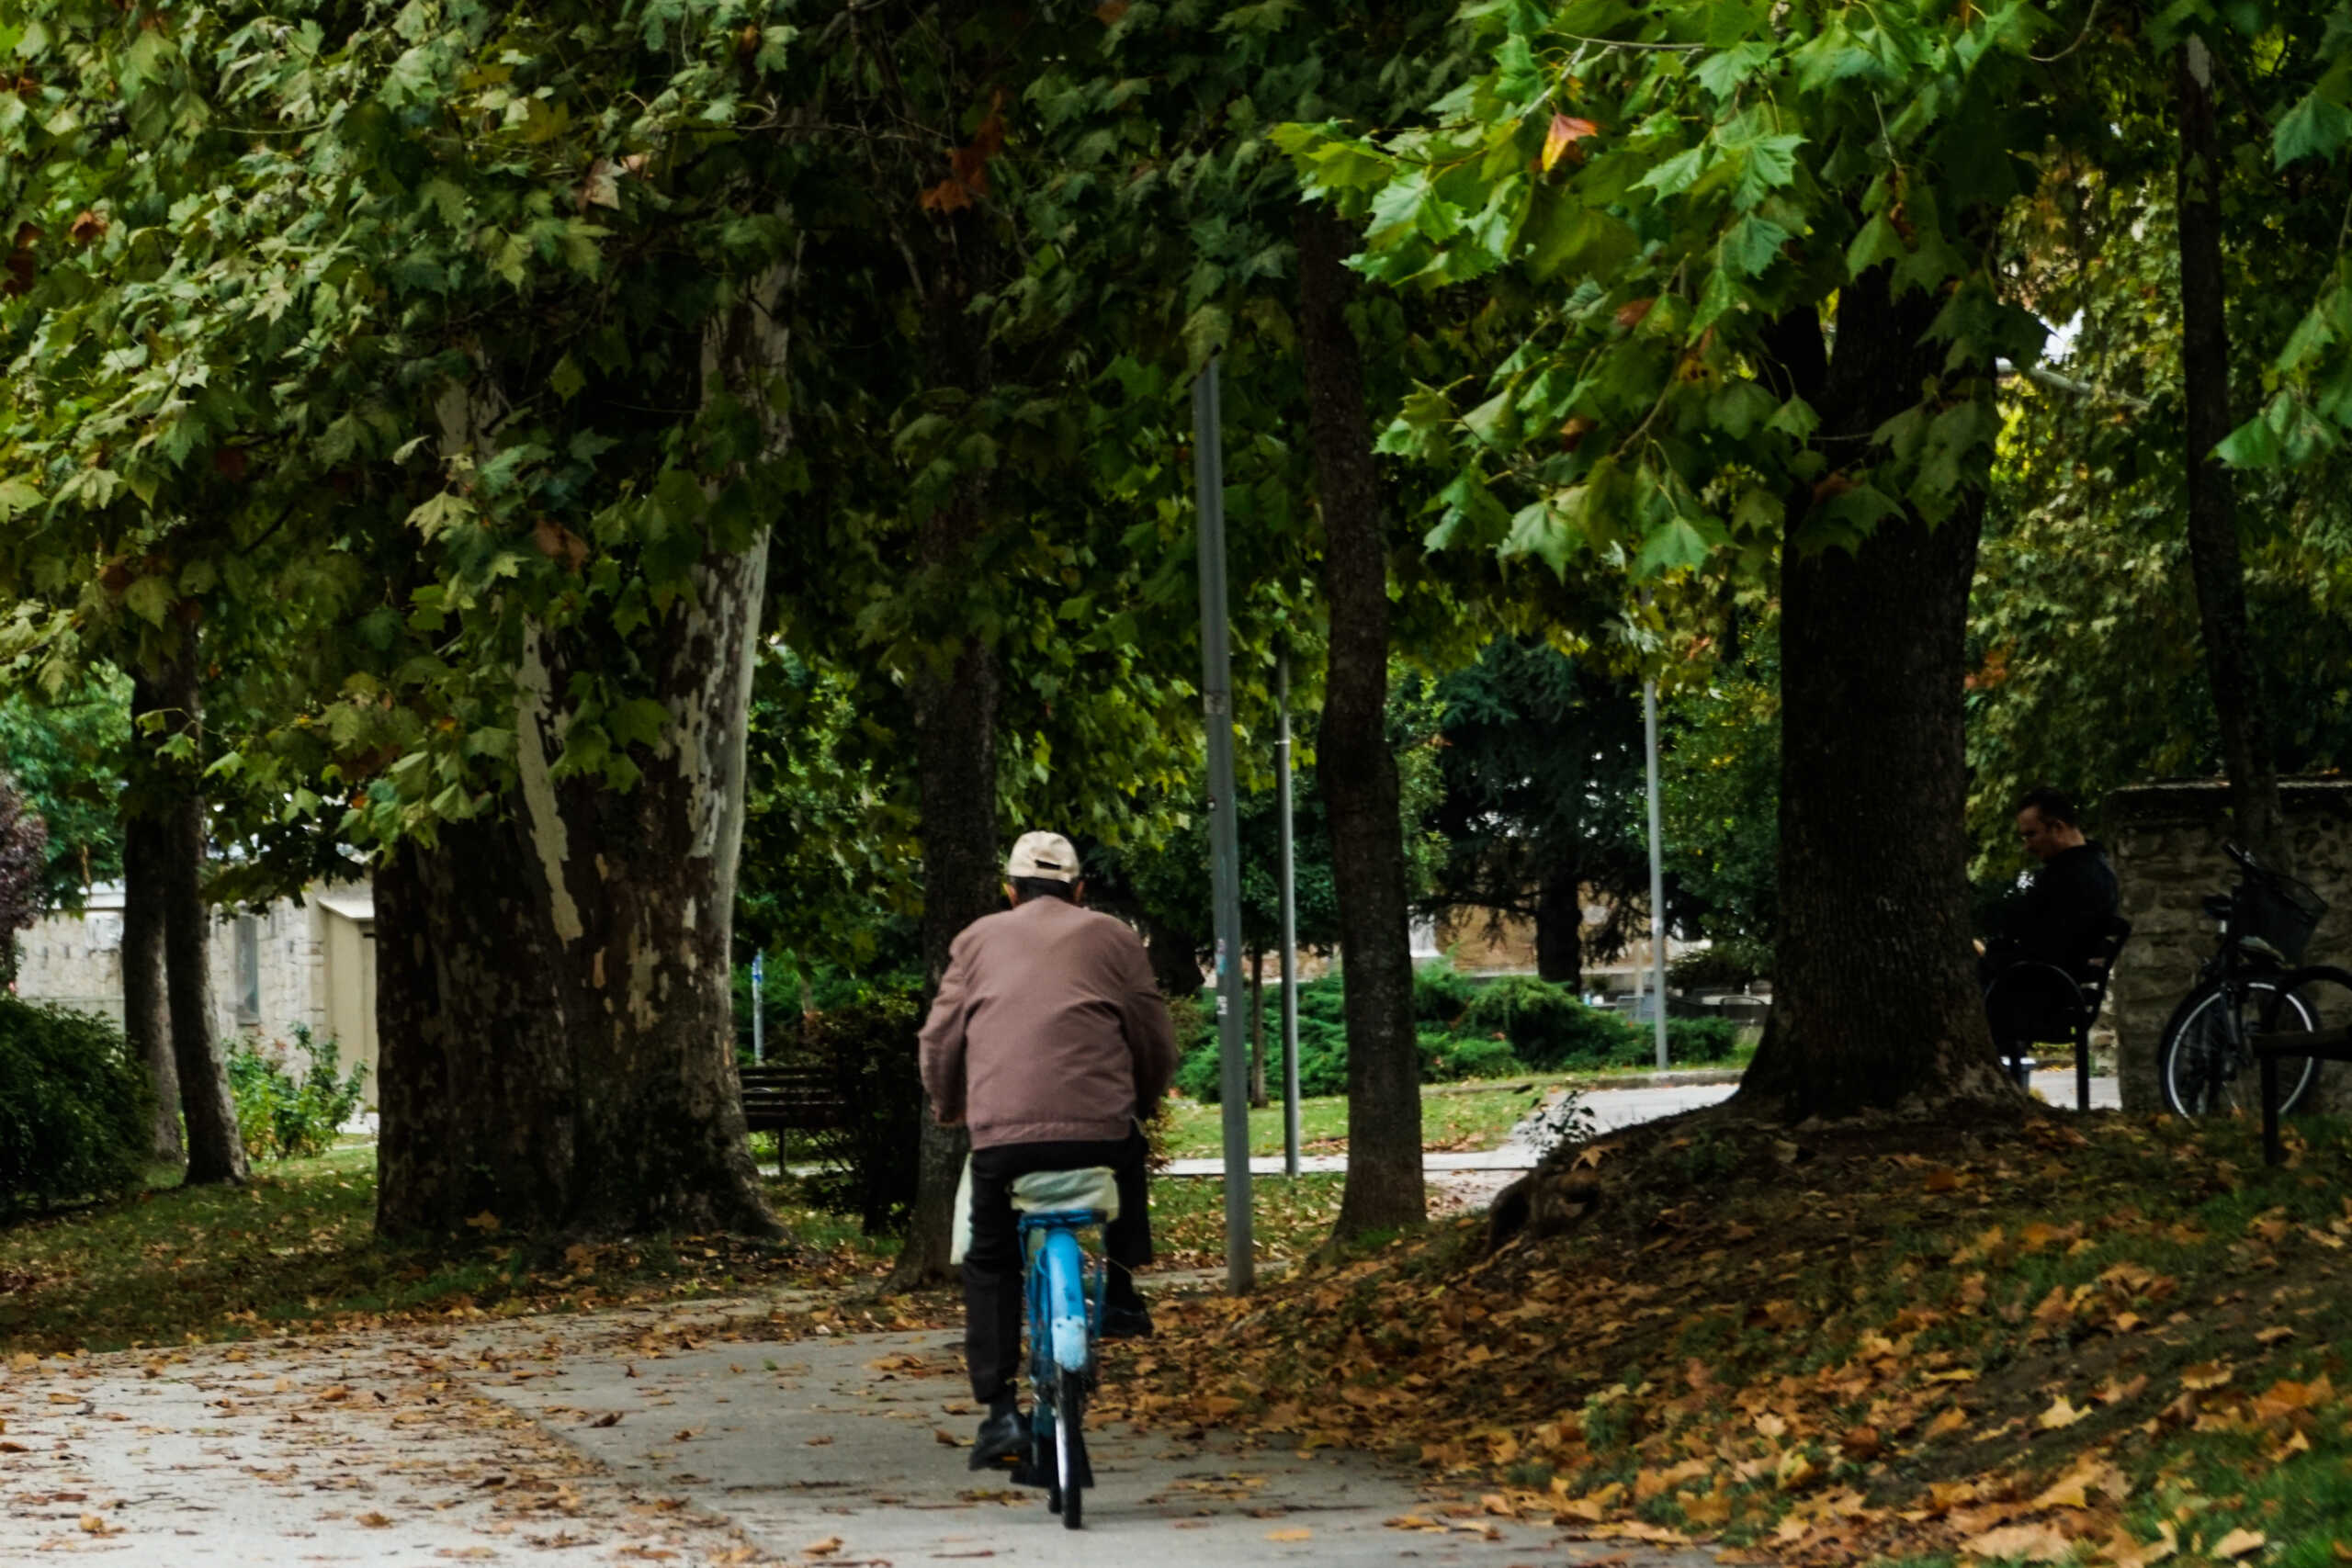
759, 1031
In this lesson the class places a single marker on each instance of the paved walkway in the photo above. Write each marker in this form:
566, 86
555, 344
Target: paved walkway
703, 1435
1611, 1109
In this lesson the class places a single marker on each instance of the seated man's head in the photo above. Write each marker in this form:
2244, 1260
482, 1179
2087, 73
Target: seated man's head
1043, 865
2048, 823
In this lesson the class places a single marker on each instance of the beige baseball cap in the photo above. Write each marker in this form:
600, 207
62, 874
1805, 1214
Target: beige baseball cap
1047, 857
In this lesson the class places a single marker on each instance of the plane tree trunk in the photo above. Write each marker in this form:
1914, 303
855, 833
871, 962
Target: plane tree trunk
554, 1013
174, 847
1876, 1004
146, 1009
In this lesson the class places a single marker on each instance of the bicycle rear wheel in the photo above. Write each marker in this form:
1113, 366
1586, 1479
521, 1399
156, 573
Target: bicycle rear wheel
1070, 1446
2202, 1060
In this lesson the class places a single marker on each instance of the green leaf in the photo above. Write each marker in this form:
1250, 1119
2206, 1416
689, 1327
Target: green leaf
1677, 174
2253, 445
566, 379
440, 513
1536, 530
1876, 243
1722, 73
149, 598
1673, 546
1795, 419
2314, 127
1751, 246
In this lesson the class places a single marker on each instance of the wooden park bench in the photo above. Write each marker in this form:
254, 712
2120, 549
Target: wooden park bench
792, 1098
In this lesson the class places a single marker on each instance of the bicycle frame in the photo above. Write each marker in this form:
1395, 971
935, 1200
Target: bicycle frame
1065, 1293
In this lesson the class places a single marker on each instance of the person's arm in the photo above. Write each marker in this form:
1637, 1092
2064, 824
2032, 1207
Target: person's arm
1143, 1017
941, 1052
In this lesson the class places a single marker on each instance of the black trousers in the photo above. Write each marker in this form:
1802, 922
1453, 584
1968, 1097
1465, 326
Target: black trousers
992, 1260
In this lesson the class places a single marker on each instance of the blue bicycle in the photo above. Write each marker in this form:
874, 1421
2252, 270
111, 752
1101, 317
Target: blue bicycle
1063, 1295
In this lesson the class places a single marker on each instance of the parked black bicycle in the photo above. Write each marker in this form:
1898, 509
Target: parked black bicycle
2249, 988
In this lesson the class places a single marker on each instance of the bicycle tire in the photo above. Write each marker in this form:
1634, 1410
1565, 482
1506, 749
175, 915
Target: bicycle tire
2194, 1067
1070, 1446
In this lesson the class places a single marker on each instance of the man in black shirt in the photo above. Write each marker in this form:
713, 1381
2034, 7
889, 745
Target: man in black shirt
2065, 909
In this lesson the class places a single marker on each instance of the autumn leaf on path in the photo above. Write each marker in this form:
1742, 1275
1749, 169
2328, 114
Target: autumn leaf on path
2061, 1413
2035, 1543
1290, 1535
824, 1548
2205, 1375
374, 1520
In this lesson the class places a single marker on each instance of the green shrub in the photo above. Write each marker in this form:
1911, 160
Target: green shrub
1549, 1028
1447, 1057
868, 1049
1322, 1044
1441, 993
280, 1116
1701, 1039
74, 1108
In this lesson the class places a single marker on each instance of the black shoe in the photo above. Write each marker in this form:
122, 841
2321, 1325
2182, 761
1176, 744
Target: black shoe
1002, 1436
1126, 1322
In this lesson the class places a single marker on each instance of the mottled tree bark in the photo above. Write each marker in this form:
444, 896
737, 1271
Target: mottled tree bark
554, 1012
2213, 555
475, 1077
146, 1013
1559, 926
1876, 1004
1352, 759
215, 1152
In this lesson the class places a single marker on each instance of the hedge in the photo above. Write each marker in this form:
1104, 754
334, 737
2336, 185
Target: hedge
75, 1108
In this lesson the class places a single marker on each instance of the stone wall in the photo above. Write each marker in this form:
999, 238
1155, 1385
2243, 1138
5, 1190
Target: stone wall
2167, 841
76, 961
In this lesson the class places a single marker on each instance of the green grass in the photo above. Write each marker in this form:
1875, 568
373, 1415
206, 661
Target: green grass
295, 1250
1289, 1217
1457, 1116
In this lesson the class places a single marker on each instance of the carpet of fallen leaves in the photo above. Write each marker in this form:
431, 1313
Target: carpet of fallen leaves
294, 1252
2101, 1339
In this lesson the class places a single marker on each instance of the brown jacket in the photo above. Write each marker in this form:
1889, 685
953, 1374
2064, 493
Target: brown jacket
1046, 1029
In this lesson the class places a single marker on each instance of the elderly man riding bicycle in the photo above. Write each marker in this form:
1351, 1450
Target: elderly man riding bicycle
1048, 1040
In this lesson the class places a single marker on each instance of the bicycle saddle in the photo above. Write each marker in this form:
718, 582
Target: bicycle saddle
1054, 1191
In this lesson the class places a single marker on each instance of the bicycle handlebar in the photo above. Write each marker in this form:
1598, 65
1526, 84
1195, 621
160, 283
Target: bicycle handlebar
2245, 858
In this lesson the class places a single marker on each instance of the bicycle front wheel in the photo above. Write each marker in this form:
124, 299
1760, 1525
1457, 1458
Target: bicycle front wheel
2204, 1062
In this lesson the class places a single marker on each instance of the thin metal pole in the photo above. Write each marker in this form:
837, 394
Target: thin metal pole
1290, 916
1657, 861
1225, 836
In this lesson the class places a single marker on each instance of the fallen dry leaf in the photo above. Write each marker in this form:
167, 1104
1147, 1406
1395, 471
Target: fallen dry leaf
374, 1520
1301, 1534
2238, 1543
2061, 1413
2035, 1543
824, 1548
